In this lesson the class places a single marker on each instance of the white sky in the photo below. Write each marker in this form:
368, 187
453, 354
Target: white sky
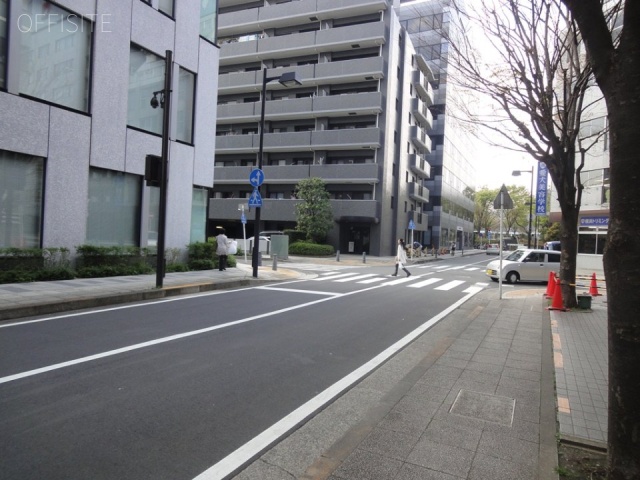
494, 166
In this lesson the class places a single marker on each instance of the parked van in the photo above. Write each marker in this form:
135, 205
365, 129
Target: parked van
526, 265
555, 245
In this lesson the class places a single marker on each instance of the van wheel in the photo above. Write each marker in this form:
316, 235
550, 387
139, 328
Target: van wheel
513, 277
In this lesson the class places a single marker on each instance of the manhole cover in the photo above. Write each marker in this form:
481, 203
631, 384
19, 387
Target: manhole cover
484, 406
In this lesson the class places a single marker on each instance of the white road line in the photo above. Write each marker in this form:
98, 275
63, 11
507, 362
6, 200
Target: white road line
440, 267
264, 440
471, 269
424, 283
359, 277
473, 289
450, 285
297, 290
482, 284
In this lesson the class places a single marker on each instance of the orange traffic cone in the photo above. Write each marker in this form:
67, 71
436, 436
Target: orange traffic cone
551, 285
557, 303
593, 289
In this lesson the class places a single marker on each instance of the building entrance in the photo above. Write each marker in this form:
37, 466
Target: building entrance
355, 239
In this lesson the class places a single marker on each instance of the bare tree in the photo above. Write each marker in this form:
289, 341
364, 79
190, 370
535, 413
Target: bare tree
537, 86
611, 33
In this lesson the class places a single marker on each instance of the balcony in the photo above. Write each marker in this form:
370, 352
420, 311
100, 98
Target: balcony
418, 193
422, 113
419, 219
298, 141
293, 13
423, 87
420, 139
295, 108
346, 71
424, 67
307, 43
419, 166
291, 174
284, 210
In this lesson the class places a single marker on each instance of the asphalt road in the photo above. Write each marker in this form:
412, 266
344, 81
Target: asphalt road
172, 388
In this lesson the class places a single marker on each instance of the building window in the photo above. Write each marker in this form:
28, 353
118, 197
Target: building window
55, 54
166, 6
186, 95
3, 42
146, 75
209, 20
199, 214
114, 208
21, 194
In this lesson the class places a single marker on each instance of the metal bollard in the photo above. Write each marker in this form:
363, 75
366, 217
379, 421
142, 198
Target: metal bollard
364, 257
337, 255
275, 262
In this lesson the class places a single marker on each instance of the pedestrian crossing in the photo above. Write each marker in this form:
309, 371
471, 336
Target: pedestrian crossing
415, 281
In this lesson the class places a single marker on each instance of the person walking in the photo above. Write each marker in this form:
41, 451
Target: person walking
222, 249
401, 258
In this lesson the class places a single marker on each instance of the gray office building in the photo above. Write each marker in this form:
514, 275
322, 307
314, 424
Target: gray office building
76, 80
430, 24
360, 119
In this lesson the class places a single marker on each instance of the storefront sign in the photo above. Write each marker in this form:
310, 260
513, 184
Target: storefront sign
541, 189
594, 222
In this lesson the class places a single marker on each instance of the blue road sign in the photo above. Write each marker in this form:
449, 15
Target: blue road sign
412, 226
255, 200
256, 177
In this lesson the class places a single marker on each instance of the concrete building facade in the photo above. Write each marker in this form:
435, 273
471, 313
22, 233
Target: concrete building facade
76, 80
359, 120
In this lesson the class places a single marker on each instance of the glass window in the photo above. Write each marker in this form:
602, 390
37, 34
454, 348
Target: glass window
55, 54
209, 20
199, 215
21, 186
186, 89
166, 6
114, 208
3, 42
154, 216
146, 75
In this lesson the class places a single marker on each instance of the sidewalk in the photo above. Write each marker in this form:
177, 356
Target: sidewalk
474, 400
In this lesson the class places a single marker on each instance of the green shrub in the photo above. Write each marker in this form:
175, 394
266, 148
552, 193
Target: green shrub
201, 264
176, 267
313, 249
56, 273
17, 276
139, 268
202, 250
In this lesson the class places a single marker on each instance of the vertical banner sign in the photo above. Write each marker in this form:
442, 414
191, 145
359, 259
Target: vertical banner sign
541, 189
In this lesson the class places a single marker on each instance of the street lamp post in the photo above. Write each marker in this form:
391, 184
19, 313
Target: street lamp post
165, 104
287, 79
516, 173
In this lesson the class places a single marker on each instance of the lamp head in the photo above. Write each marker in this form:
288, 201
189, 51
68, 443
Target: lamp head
289, 79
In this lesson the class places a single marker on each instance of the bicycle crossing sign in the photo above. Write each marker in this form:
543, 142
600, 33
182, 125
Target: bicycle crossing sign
255, 200
412, 226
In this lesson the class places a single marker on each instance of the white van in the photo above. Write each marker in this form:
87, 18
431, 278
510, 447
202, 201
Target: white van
525, 265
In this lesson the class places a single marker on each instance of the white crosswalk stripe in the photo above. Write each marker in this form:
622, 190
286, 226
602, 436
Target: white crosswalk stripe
424, 283
353, 279
414, 281
471, 269
450, 285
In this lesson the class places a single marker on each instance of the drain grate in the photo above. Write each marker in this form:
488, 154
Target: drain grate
484, 406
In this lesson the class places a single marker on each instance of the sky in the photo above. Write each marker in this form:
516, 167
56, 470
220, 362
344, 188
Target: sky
494, 166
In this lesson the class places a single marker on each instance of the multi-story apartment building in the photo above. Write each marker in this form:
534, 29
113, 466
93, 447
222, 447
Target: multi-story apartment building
359, 120
76, 80
431, 25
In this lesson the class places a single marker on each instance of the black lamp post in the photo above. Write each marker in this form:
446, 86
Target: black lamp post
516, 173
165, 104
287, 79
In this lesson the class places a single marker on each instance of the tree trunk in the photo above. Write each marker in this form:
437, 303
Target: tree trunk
622, 272
569, 245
